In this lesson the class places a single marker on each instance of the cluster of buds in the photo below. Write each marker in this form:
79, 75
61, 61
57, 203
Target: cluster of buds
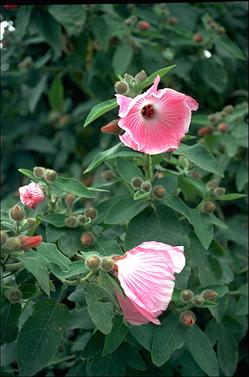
217, 28
48, 174
95, 262
128, 85
158, 191
214, 189
187, 296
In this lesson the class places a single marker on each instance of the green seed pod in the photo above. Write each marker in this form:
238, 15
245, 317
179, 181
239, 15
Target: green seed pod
121, 87
208, 207
17, 213
71, 221
50, 175
136, 182
159, 192
93, 262
107, 264
209, 294
14, 295
39, 172
87, 239
146, 187
186, 295
91, 212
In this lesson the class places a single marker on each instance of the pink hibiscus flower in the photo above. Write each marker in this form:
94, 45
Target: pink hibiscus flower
156, 120
31, 195
146, 274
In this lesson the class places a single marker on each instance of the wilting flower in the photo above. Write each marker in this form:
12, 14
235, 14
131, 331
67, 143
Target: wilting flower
156, 120
31, 195
146, 274
30, 242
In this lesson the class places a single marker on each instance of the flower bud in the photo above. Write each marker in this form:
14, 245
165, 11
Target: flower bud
140, 76
208, 207
209, 294
93, 262
107, 264
197, 300
187, 318
69, 199
223, 114
144, 25
12, 244
14, 295
212, 184
204, 131
30, 242
121, 87
197, 37
107, 175
223, 128
130, 21
50, 175
31, 222
4, 237
136, 182
213, 118
87, 239
91, 212
71, 221
112, 128
229, 109
146, 187
17, 213
159, 192
82, 219
38, 171
186, 295
219, 191
172, 21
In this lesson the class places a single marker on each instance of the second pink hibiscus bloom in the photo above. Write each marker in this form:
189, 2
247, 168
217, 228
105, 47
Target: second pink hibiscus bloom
156, 120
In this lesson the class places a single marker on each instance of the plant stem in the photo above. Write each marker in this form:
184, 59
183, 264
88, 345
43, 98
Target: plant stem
148, 167
78, 281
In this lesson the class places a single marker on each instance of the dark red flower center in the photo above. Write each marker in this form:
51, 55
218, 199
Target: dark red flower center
148, 111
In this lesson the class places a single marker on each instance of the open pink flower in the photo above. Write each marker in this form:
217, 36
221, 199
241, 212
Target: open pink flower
31, 195
146, 274
156, 120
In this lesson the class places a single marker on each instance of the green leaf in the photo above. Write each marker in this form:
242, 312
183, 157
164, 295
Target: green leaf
143, 334
80, 319
105, 247
232, 196
203, 227
50, 252
150, 79
69, 241
40, 336
198, 344
168, 337
200, 156
100, 109
72, 17
117, 150
124, 209
56, 94
56, 219
22, 20
10, 314
122, 58
38, 266
115, 337
72, 186
213, 73
161, 225
35, 93
49, 28
75, 268
227, 351
227, 48
28, 173
127, 170
112, 365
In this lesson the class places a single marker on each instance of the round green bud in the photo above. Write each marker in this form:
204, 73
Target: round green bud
69, 199
71, 221
146, 187
107, 264
87, 239
197, 300
93, 262
186, 295
38, 172
209, 294
17, 213
12, 244
50, 175
208, 207
141, 76
82, 219
121, 87
221, 30
14, 295
91, 212
213, 184
159, 192
229, 109
219, 191
107, 175
136, 182
213, 118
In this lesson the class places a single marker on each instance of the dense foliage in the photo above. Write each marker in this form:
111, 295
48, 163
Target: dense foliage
59, 67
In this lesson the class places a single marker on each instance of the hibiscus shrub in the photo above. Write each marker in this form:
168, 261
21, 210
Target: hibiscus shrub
141, 267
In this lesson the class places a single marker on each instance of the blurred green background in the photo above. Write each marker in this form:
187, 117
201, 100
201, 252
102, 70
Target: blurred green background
60, 60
